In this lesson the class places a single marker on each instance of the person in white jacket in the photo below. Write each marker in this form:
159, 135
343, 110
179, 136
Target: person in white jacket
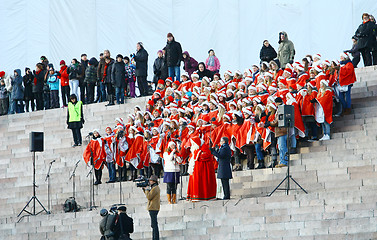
171, 171
8, 86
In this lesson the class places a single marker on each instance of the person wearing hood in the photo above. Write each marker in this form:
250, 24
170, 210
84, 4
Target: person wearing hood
173, 53
3, 97
141, 59
267, 53
212, 62
74, 72
286, 51
366, 39
118, 78
53, 83
64, 82
203, 71
91, 79
28, 92
189, 63
17, 92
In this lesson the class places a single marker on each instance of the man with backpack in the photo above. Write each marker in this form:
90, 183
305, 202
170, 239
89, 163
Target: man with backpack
107, 225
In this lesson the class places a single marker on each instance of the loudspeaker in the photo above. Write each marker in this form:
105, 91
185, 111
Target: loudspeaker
36, 142
286, 116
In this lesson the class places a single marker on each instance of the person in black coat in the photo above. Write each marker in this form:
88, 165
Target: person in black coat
267, 53
28, 92
125, 224
84, 64
38, 83
158, 66
355, 52
141, 59
374, 48
366, 39
203, 71
106, 79
224, 171
118, 78
173, 53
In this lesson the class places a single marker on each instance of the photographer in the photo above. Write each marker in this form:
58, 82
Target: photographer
107, 225
125, 225
152, 192
171, 172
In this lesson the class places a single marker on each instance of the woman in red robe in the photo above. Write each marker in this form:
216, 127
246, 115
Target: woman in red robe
202, 181
95, 155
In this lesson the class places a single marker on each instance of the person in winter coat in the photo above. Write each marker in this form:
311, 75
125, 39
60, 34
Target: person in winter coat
106, 79
267, 53
203, 72
3, 98
84, 64
64, 82
118, 78
346, 79
212, 62
141, 59
355, 52
171, 171
75, 119
28, 93
8, 86
173, 53
107, 225
224, 172
189, 63
374, 48
74, 71
366, 39
100, 70
158, 66
53, 83
17, 92
286, 51
91, 79
130, 76
38, 85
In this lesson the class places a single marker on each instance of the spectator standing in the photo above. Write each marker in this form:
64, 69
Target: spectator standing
17, 92
53, 83
91, 79
190, 65
125, 225
355, 52
46, 88
8, 85
130, 76
118, 77
3, 98
107, 225
74, 72
346, 79
212, 62
99, 77
286, 51
75, 119
158, 66
173, 54
38, 85
84, 64
267, 53
141, 59
152, 192
224, 172
106, 79
64, 82
171, 172
374, 49
28, 93
366, 39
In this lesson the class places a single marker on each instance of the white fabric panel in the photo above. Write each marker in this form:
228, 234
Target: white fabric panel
235, 29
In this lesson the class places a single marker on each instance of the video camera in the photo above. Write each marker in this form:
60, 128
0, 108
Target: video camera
142, 182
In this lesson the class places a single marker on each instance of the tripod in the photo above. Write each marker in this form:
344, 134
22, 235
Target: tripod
91, 192
289, 176
48, 186
33, 199
73, 175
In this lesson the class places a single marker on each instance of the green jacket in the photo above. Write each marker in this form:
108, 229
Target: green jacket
286, 52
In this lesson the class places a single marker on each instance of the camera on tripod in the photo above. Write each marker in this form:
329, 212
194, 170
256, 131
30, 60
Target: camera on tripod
142, 182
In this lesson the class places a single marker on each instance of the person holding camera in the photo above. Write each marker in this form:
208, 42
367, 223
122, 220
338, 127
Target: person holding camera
107, 226
171, 171
125, 224
152, 192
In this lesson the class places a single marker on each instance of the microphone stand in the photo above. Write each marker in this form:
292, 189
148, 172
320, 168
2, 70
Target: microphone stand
91, 189
73, 175
48, 187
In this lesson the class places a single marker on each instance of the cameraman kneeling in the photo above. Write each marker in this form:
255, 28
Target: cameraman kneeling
152, 192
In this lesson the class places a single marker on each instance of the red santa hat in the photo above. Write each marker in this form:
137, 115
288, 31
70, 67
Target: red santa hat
120, 120
185, 74
195, 75
261, 107
205, 103
262, 86
247, 111
191, 125
312, 84
221, 105
189, 109
178, 92
273, 105
246, 100
230, 91
318, 68
289, 66
283, 82
237, 72
288, 70
157, 110
205, 118
257, 100
185, 98
176, 82
233, 103
203, 96
345, 55
228, 72
272, 87
214, 102
140, 129
157, 92
300, 67
134, 128
252, 87
196, 140
109, 128
325, 82
169, 79
2, 73
161, 81
228, 115
317, 56
206, 79
327, 62
268, 74
151, 102
222, 94
248, 78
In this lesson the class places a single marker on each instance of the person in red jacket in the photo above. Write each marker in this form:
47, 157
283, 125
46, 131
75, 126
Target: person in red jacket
64, 81
346, 79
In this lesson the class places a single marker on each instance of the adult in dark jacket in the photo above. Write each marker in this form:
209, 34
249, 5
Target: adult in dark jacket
84, 64
106, 79
17, 92
374, 48
91, 79
355, 52
158, 67
75, 119
203, 71
118, 77
267, 53
28, 91
141, 59
173, 53
224, 171
38, 82
107, 225
125, 224
190, 65
75, 73
366, 39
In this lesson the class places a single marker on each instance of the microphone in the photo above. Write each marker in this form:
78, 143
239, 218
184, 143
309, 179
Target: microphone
53, 161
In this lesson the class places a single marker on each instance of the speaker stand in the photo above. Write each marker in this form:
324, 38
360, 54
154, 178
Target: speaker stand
33, 200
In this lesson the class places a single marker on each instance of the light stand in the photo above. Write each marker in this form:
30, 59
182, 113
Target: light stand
91, 192
288, 177
73, 175
33, 199
120, 182
48, 186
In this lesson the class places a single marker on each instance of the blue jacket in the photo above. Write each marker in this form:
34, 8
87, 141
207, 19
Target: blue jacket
17, 86
53, 82
224, 154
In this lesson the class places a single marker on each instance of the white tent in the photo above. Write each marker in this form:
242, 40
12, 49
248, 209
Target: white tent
235, 29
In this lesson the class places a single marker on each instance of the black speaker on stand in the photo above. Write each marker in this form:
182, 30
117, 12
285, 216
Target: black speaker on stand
286, 119
36, 145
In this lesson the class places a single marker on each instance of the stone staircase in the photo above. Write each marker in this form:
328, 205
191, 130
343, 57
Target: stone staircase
340, 177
